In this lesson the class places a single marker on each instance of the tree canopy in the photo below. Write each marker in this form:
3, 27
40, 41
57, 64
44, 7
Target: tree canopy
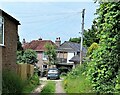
76, 40
51, 53
89, 36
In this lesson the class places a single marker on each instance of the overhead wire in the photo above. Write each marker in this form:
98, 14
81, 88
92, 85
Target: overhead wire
61, 24
27, 15
54, 22
39, 21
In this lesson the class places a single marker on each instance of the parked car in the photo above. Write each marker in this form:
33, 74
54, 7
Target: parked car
53, 73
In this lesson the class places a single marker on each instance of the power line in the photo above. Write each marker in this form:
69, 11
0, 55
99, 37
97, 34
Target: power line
39, 15
39, 21
56, 21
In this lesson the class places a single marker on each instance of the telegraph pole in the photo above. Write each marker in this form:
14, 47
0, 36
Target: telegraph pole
81, 44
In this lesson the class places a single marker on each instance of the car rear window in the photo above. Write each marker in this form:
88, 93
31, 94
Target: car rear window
52, 71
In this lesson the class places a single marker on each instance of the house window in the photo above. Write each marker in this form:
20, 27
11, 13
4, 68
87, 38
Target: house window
44, 56
1, 31
45, 66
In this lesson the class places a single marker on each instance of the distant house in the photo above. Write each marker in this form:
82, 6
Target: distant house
69, 53
8, 40
39, 47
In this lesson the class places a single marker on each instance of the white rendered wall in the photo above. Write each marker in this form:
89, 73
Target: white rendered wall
70, 55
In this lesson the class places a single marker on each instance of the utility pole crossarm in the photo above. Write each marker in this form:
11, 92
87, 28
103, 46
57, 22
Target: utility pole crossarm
81, 44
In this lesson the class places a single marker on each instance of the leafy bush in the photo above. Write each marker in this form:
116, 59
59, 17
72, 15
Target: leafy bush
79, 70
11, 83
93, 47
31, 83
117, 87
49, 89
28, 56
20, 57
105, 63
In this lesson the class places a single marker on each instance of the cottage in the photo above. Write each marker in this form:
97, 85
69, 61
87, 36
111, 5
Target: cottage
8, 40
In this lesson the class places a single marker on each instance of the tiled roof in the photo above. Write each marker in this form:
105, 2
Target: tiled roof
37, 45
70, 46
75, 59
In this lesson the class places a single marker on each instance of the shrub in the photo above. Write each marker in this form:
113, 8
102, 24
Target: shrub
93, 47
28, 56
11, 83
117, 87
79, 70
105, 62
31, 83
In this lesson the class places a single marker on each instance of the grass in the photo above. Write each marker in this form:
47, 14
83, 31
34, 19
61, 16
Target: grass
77, 82
78, 85
49, 89
11, 83
31, 84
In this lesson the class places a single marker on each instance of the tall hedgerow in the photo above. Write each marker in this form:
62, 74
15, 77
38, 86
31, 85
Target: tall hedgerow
105, 62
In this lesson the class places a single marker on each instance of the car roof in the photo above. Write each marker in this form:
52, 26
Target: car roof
52, 69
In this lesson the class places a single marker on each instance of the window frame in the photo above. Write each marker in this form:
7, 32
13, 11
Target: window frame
2, 44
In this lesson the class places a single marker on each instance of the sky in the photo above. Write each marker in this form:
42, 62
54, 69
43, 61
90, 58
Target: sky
50, 20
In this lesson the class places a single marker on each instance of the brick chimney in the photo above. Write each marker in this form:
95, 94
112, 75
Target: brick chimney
23, 42
40, 39
58, 41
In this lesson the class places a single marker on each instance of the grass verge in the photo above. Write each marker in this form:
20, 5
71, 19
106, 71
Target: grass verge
11, 83
49, 89
77, 82
78, 85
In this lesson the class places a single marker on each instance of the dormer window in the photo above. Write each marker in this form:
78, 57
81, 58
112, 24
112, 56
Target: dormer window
1, 30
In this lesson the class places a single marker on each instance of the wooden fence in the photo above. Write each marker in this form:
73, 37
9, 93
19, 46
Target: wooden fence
25, 70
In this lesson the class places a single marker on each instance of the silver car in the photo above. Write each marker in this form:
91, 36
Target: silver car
53, 73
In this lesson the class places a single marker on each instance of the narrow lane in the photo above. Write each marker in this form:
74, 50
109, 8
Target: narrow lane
59, 88
40, 87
